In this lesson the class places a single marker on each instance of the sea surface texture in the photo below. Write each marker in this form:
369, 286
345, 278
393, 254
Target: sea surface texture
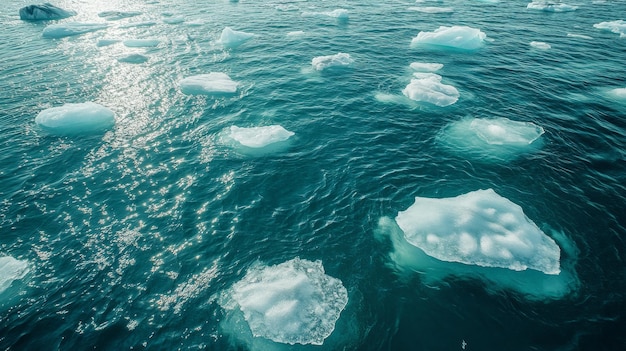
313, 175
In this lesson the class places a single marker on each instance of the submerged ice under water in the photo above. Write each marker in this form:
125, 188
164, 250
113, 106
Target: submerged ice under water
298, 175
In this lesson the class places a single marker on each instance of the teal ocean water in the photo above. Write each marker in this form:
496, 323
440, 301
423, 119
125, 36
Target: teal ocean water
165, 232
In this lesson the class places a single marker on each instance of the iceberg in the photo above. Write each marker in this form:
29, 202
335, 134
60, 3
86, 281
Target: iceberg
11, 269
258, 137
133, 58
341, 59
118, 15
490, 139
232, 38
425, 66
291, 303
456, 37
62, 30
551, 6
44, 12
76, 118
141, 43
214, 83
540, 45
617, 27
427, 87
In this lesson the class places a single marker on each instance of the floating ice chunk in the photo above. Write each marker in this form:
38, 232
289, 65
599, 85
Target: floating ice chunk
141, 43
258, 137
44, 12
214, 83
10, 270
107, 42
540, 45
551, 6
431, 9
427, 87
295, 34
492, 139
479, 228
457, 37
341, 59
342, 15
76, 118
61, 30
232, 38
138, 24
117, 15
617, 27
133, 58
580, 36
618, 94
294, 302
426, 66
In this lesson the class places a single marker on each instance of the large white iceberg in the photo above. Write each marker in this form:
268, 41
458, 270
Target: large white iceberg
214, 83
492, 138
456, 37
427, 87
617, 27
61, 30
551, 6
44, 12
11, 269
341, 59
294, 302
259, 137
76, 118
232, 38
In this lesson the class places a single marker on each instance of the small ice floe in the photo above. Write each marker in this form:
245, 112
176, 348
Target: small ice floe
118, 15
579, 36
342, 15
44, 12
427, 87
292, 303
133, 58
78, 118
540, 45
11, 269
551, 6
260, 137
62, 30
456, 37
107, 42
231, 38
338, 60
617, 27
141, 43
431, 9
214, 83
425, 66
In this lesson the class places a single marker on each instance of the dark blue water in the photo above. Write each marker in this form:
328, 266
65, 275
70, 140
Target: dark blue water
133, 235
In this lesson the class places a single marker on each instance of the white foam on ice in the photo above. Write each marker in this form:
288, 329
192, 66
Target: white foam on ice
455, 37
338, 60
231, 38
551, 6
425, 66
540, 45
259, 137
431, 9
61, 30
214, 83
291, 303
11, 269
427, 87
76, 118
617, 27
44, 12
141, 43
133, 58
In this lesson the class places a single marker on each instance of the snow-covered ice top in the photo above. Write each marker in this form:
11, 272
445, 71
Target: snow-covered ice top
540, 45
209, 84
550, 6
457, 37
232, 38
503, 131
11, 269
258, 137
427, 87
617, 27
76, 118
44, 12
341, 59
61, 30
425, 66
294, 302
479, 228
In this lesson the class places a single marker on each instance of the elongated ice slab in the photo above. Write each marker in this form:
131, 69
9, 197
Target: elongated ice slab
294, 302
456, 37
11, 269
479, 228
133, 58
44, 12
213, 83
342, 15
540, 45
117, 15
341, 59
76, 118
431, 9
61, 30
258, 137
617, 27
551, 6
427, 87
141, 43
232, 38
425, 66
